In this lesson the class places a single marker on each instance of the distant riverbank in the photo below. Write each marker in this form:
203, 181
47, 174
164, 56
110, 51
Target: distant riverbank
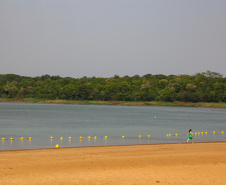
94, 102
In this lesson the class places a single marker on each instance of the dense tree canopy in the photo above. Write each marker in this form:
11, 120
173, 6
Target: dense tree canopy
201, 87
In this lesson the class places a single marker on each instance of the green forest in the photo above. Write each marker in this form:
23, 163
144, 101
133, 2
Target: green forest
201, 87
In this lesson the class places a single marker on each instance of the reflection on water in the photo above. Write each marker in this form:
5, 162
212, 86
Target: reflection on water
163, 124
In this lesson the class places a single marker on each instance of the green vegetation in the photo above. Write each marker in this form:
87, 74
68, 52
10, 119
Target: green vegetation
208, 87
97, 102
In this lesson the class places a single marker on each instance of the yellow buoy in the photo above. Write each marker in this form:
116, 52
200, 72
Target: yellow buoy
205, 132
123, 136
3, 139
106, 137
88, 137
214, 132
21, 138
69, 137
195, 133
80, 137
169, 134
198, 133
202, 133
51, 137
11, 138
95, 137
57, 146
149, 136
139, 136
155, 117
175, 134
29, 138
61, 138
222, 132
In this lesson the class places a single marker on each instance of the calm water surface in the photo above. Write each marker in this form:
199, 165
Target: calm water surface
40, 121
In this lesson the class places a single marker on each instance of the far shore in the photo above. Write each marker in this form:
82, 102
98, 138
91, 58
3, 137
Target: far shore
134, 103
197, 163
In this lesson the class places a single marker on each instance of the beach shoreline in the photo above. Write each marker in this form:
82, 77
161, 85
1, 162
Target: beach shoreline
172, 163
105, 146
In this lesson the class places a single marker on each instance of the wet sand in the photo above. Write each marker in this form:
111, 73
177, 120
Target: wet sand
198, 163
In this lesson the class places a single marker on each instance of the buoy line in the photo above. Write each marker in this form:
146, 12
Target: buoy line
106, 137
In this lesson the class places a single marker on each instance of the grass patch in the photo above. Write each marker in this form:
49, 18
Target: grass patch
136, 103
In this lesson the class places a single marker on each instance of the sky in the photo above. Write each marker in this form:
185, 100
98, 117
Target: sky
104, 38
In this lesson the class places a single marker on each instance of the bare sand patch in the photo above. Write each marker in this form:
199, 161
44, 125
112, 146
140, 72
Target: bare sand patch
198, 163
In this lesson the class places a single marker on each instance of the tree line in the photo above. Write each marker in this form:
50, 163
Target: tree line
201, 87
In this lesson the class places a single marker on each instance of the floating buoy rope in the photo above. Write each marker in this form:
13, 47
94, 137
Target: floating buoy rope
123, 137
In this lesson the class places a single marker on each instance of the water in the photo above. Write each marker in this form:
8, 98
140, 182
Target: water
40, 121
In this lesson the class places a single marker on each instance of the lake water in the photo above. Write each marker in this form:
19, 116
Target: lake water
41, 121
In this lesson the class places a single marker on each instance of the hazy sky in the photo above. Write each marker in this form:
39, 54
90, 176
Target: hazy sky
103, 38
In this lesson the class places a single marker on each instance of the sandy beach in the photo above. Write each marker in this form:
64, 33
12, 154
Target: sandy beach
198, 163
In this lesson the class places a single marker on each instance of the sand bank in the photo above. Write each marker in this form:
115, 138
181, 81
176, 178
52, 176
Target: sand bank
198, 163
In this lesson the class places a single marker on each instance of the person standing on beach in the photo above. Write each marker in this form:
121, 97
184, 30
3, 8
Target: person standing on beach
190, 136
